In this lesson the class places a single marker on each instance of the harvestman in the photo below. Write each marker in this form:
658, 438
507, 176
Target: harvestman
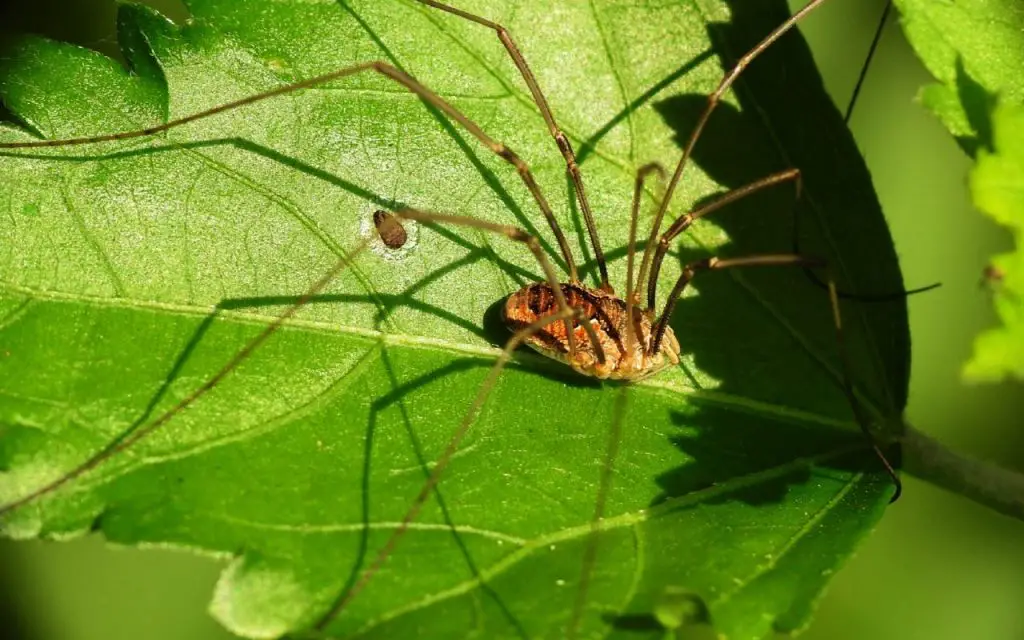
594, 331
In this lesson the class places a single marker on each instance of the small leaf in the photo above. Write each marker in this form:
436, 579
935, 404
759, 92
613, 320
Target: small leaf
975, 49
132, 271
997, 186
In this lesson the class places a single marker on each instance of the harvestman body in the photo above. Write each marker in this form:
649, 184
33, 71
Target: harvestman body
592, 330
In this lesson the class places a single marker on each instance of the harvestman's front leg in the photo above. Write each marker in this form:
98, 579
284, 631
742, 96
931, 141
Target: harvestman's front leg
713, 264
564, 314
631, 297
713, 99
683, 223
386, 70
549, 118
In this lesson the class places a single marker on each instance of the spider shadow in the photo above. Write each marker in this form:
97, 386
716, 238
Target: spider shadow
784, 119
305, 168
492, 328
744, 328
588, 266
399, 390
395, 397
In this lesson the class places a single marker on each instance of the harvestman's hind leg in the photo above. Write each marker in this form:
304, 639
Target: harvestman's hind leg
713, 99
683, 222
549, 118
564, 314
713, 264
638, 189
131, 437
386, 70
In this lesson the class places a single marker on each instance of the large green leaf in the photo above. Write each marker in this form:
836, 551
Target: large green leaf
741, 477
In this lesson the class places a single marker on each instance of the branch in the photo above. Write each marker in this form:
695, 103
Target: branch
999, 489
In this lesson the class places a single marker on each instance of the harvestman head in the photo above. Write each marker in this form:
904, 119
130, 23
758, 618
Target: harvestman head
594, 331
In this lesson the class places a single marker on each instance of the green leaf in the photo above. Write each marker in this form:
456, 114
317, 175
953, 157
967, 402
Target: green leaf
997, 186
132, 271
975, 49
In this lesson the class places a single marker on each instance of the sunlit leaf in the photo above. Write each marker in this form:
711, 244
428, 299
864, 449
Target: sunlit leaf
975, 49
997, 185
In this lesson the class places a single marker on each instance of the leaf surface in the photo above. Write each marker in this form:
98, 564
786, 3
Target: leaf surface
975, 49
131, 271
997, 186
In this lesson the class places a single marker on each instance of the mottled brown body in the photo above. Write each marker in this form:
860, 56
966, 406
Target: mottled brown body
606, 314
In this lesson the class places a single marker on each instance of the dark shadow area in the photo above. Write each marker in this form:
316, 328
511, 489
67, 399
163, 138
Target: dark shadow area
745, 333
726, 448
87, 23
978, 104
636, 625
679, 611
785, 120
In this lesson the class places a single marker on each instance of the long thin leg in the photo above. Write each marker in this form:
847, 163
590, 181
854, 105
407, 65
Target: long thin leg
631, 299
867, 62
683, 222
385, 70
517, 234
564, 314
549, 118
713, 101
442, 462
131, 437
714, 264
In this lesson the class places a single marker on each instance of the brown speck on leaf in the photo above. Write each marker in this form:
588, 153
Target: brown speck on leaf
390, 229
992, 273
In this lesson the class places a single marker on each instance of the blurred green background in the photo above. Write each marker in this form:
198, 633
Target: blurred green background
937, 568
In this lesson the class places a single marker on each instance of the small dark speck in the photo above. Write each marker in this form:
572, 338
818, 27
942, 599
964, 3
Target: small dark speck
390, 229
